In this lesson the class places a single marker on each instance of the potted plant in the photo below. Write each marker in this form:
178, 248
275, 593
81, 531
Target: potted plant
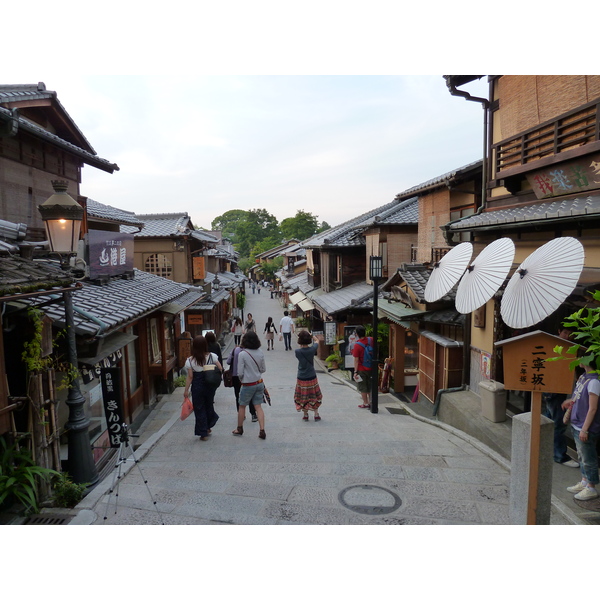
334, 360
301, 323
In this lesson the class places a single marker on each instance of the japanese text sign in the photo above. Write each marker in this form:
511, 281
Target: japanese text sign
111, 394
526, 367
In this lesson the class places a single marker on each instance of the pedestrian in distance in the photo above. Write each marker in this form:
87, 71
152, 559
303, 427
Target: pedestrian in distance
203, 395
307, 395
249, 325
214, 346
269, 332
553, 410
361, 351
585, 424
251, 365
238, 330
232, 360
286, 328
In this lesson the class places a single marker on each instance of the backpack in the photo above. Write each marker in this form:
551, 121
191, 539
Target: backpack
367, 359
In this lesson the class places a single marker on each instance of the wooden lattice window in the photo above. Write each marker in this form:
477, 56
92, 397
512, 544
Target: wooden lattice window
160, 265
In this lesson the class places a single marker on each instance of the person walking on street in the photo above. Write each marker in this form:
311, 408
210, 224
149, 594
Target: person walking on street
585, 424
270, 331
238, 330
553, 410
307, 395
214, 346
249, 325
286, 327
251, 366
203, 395
232, 360
362, 371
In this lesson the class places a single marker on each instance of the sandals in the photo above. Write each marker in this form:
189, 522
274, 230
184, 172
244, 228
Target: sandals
364, 406
238, 431
305, 417
262, 435
317, 417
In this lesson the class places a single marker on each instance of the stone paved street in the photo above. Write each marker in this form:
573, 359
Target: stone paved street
352, 467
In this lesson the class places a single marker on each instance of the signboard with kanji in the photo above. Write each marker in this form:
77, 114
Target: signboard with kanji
198, 266
111, 394
526, 367
110, 253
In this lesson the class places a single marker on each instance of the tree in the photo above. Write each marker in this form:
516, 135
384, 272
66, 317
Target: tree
300, 227
270, 268
324, 226
228, 222
256, 226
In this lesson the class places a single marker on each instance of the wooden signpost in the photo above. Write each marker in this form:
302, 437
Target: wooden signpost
526, 369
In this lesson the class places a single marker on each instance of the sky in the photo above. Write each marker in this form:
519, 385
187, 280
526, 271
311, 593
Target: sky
334, 146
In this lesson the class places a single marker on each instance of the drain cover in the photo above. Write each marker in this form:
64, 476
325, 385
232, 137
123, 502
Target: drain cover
369, 499
397, 410
47, 519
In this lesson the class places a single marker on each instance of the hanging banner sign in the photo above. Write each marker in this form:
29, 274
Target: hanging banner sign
330, 333
111, 394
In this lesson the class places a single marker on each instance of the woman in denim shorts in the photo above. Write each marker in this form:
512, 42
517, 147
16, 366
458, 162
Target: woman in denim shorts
250, 367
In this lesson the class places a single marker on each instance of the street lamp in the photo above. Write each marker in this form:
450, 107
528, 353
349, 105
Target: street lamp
216, 284
375, 274
62, 218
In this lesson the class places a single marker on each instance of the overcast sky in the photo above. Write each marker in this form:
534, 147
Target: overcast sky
334, 146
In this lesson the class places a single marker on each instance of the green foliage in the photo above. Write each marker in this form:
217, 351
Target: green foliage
301, 322
270, 268
240, 300
67, 493
335, 357
300, 227
179, 381
383, 337
227, 223
585, 324
19, 477
256, 226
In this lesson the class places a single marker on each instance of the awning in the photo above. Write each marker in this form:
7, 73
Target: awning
300, 300
397, 312
112, 343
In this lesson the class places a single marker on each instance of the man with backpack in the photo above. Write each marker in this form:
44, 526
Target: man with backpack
363, 360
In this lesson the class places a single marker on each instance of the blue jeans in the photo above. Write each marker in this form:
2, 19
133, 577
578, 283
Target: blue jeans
287, 338
553, 410
588, 456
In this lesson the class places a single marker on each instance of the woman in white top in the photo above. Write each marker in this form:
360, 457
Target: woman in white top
250, 367
238, 330
203, 395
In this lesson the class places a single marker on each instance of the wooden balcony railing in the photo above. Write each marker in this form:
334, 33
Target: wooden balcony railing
568, 132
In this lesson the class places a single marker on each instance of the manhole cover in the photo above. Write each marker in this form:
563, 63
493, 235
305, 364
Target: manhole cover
593, 505
369, 499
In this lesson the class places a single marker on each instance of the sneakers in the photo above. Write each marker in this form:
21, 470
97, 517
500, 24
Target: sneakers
254, 418
570, 463
576, 488
587, 493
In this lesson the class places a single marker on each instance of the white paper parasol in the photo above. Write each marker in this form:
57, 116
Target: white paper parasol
542, 282
448, 271
485, 275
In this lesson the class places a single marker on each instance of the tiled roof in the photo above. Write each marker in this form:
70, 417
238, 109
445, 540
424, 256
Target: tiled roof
168, 225
19, 275
108, 213
530, 214
348, 233
101, 309
30, 127
344, 298
416, 277
442, 180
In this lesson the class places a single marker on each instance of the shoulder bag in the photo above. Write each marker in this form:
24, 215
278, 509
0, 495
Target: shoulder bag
266, 396
212, 376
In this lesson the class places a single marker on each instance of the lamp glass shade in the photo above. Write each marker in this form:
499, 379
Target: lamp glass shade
63, 235
375, 267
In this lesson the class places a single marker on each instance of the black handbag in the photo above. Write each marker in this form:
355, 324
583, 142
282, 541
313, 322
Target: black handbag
228, 378
212, 377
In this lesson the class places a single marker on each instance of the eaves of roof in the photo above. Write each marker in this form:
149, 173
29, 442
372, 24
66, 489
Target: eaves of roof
539, 213
103, 212
343, 299
17, 123
99, 310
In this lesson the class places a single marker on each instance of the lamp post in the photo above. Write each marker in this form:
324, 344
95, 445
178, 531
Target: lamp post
375, 274
62, 218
